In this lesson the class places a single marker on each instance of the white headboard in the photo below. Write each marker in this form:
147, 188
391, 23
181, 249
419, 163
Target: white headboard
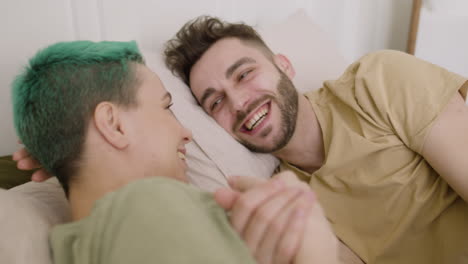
26, 26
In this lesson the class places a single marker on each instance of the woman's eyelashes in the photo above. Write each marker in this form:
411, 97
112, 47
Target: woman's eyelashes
169, 105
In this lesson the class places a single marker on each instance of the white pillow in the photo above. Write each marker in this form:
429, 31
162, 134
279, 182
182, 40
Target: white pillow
27, 212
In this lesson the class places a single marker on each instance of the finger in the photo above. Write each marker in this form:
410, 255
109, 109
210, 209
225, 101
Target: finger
290, 178
257, 226
226, 198
266, 249
269, 248
244, 183
290, 243
28, 163
249, 201
20, 154
40, 175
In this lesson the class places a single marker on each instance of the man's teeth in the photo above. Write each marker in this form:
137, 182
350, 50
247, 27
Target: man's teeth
181, 155
256, 119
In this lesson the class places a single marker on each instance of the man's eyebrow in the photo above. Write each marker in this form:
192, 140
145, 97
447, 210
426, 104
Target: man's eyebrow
206, 94
237, 64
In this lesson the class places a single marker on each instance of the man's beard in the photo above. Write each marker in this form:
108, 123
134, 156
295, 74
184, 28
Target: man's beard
287, 102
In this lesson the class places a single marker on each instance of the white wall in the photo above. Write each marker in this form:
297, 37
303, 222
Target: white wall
361, 26
443, 34
358, 26
25, 26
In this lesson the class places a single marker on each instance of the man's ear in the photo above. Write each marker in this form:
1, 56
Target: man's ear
108, 121
285, 65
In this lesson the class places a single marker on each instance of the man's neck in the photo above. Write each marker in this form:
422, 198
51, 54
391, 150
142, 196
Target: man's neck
305, 149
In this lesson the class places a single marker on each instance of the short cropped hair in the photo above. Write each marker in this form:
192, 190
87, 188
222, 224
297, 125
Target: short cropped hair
198, 35
58, 91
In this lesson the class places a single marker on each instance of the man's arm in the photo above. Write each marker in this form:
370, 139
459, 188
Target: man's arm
446, 146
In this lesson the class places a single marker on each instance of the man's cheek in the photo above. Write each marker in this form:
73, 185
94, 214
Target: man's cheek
225, 122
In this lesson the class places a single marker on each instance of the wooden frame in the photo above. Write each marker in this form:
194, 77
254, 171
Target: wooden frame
413, 32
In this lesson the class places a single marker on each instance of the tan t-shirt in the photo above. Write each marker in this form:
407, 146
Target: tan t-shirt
381, 197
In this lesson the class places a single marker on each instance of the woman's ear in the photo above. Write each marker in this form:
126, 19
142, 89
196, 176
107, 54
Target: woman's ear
285, 65
108, 121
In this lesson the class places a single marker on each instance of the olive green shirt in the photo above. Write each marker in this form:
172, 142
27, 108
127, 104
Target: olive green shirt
155, 220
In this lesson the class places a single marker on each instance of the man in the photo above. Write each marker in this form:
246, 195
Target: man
384, 147
96, 117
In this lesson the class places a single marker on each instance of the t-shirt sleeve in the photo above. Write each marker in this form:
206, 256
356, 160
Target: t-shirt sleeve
400, 93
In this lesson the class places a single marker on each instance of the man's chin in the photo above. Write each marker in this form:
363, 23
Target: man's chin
269, 143
259, 148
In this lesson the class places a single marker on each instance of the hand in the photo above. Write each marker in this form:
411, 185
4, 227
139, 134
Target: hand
269, 216
280, 220
27, 162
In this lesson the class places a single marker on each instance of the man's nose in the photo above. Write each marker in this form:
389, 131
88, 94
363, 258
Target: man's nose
239, 100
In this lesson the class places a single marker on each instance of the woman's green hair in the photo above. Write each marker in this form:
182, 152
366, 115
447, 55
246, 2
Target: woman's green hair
55, 96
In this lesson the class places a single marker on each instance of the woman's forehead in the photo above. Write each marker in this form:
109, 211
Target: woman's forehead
150, 79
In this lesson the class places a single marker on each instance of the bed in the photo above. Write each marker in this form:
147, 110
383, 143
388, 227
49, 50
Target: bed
323, 45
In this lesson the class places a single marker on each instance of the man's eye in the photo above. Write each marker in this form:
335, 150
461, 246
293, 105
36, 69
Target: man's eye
243, 75
216, 103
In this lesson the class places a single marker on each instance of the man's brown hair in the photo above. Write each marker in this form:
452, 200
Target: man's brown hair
198, 35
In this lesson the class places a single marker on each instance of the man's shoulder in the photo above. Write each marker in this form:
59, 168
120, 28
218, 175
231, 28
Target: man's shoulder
385, 59
384, 55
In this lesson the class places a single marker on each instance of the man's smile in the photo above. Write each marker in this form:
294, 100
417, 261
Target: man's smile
256, 119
